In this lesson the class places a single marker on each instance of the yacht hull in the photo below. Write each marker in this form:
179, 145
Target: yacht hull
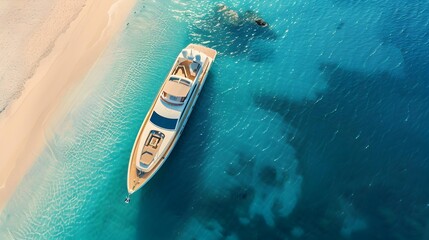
136, 178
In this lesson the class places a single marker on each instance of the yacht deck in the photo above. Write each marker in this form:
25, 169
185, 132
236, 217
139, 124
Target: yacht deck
187, 69
151, 148
211, 53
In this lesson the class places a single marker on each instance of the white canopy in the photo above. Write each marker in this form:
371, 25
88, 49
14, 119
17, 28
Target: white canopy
176, 89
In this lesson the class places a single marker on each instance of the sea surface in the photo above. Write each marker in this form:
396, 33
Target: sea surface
316, 127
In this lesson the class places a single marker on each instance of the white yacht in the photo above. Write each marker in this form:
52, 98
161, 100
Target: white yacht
168, 115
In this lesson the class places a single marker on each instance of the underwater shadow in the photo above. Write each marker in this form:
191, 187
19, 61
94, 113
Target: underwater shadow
364, 142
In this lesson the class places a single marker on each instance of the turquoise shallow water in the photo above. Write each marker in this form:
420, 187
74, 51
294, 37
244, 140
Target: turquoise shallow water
314, 128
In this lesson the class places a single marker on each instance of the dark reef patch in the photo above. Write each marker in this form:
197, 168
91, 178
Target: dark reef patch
407, 28
340, 25
268, 175
232, 212
232, 32
364, 141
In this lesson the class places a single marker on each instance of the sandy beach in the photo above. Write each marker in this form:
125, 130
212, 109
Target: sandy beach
47, 49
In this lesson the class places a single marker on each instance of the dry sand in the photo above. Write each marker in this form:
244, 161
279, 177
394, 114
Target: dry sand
49, 45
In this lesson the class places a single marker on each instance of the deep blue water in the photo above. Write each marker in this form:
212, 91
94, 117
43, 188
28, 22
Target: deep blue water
314, 128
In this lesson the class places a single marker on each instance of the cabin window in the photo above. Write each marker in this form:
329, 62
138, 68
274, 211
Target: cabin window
181, 81
174, 79
172, 98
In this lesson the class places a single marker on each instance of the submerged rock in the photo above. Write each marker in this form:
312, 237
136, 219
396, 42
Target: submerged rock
235, 32
268, 175
253, 17
234, 18
261, 22
228, 15
221, 7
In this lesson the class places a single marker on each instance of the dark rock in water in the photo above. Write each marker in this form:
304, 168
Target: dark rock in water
252, 16
243, 195
261, 22
228, 15
268, 175
340, 25
237, 19
234, 32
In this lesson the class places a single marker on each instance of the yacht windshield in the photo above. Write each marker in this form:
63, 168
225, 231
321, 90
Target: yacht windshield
180, 80
163, 122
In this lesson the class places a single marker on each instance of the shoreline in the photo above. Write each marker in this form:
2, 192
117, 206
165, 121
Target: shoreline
25, 123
